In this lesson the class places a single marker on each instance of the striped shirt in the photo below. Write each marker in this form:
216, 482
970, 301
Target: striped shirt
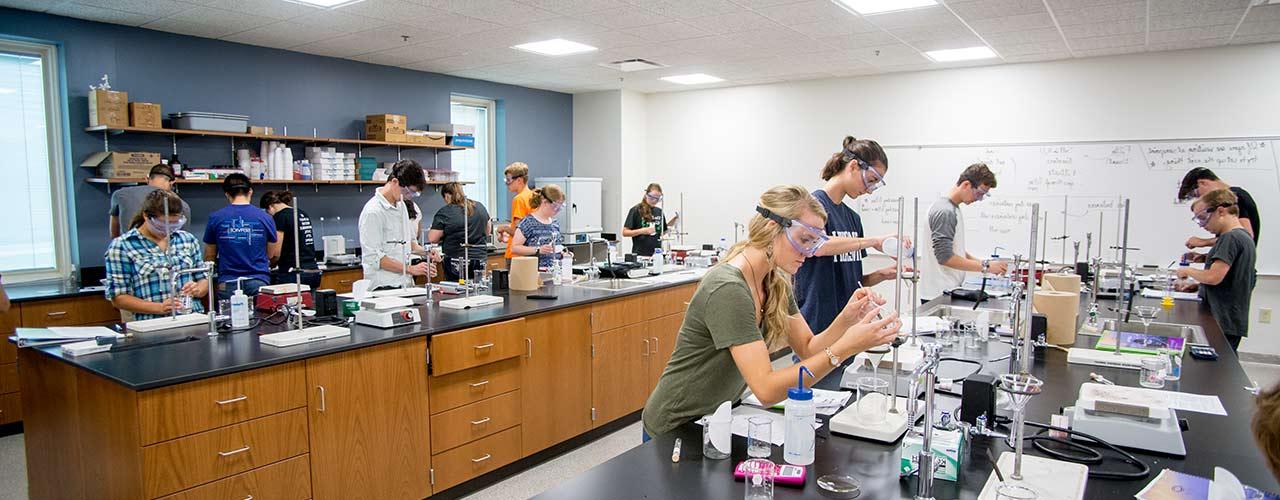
137, 266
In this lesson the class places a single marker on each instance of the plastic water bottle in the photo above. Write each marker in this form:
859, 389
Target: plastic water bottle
657, 261
566, 269
720, 250
555, 271
239, 309
798, 449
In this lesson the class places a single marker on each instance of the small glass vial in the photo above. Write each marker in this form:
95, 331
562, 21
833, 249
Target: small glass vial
1153, 369
1174, 370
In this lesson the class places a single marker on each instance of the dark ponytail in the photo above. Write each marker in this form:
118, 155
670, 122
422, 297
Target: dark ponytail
153, 206
852, 150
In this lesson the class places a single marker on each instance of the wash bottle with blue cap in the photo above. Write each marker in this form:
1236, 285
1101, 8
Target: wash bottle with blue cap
798, 449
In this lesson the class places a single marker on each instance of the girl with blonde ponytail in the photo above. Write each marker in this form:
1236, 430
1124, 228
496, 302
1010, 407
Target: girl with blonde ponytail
745, 308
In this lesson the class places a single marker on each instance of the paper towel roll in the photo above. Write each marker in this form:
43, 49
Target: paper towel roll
1061, 309
524, 274
1062, 282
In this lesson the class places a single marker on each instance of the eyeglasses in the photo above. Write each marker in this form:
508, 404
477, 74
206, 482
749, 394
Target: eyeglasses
804, 238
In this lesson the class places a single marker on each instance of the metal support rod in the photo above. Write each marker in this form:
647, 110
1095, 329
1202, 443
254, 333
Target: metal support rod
168, 262
1100, 216
1026, 355
466, 253
212, 309
297, 260
924, 460
915, 273
1088, 247
897, 309
1124, 271
1044, 239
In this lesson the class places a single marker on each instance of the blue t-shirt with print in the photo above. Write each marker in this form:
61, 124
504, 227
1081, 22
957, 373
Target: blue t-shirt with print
825, 284
537, 234
241, 233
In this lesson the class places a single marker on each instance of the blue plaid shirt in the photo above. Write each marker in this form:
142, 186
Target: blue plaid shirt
137, 266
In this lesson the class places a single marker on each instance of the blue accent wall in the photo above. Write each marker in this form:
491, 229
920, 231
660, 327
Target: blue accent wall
275, 88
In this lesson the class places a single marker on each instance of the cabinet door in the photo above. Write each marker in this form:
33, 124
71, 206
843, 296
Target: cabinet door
619, 376
557, 389
369, 423
662, 342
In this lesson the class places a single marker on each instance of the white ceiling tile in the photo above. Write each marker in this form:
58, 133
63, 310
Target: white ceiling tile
806, 12
1104, 28
562, 27
1258, 28
80, 11
1187, 44
1162, 7
1051, 56
274, 9
404, 56
916, 33
572, 7
628, 16
1179, 21
1012, 23
927, 16
1264, 13
1189, 34
504, 12
1110, 51
958, 42
1242, 40
731, 22
455, 24
1060, 5
282, 34
1021, 37
859, 40
687, 9
32, 5
149, 7
888, 55
974, 10
392, 10
340, 22
610, 39
761, 4
666, 32
189, 28
1103, 13
1082, 45
1025, 49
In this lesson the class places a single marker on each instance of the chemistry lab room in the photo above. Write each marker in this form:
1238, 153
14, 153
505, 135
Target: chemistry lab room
639, 249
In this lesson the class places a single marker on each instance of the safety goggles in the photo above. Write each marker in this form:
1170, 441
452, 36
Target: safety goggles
874, 182
980, 194
652, 198
409, 194
804, 238
557, 207
161, 226
1201, 217
509, 180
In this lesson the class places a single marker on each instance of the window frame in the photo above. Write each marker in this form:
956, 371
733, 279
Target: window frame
55, 136
491, 108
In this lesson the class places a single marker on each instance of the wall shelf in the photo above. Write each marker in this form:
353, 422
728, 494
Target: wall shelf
283, 138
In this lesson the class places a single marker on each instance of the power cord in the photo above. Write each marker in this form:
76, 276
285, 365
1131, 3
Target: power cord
1088, 455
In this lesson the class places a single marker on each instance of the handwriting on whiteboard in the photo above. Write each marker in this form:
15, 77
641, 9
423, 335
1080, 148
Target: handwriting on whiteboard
1212, 155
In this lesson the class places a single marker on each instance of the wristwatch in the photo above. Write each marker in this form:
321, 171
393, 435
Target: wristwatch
835, 360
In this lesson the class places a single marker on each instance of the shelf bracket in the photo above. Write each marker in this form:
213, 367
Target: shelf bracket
173, 138
398, 153
106, 142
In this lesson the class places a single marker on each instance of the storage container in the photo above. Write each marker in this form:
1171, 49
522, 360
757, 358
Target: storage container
217, 122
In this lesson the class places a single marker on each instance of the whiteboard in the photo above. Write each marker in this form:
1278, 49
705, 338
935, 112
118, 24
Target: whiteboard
1080, 186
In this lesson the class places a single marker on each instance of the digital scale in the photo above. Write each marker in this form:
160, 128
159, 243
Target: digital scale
387, 312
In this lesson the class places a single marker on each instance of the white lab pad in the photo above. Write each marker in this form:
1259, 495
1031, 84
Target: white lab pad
305, 335
166, 323
1051, 479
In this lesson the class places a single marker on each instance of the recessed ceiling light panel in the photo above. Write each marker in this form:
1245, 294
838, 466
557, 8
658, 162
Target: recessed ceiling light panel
555, 47
965, 54
325, 4
869, 7
692, 79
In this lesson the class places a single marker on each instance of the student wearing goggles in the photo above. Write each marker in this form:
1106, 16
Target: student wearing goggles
516, 177
388, 230
827, 281
539, 233
1227, 281
139, 263
645, 222
944, 259
1201, 180
744, 309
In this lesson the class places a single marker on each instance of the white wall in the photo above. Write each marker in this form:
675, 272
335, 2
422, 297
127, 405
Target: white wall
597, 147
722, 147
635, 172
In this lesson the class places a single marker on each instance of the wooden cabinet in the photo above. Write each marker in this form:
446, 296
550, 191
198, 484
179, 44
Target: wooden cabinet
370, 434
180, 410
557, 364
474, 421
173, 466
619, 376
473, 459
617, 313
87, 310
662, 342
285, 480
472, 347
340, 280
10, 408
474, 384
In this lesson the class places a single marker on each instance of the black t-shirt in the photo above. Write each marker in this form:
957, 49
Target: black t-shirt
284, 223
823, 285
1248, 210
449, 219
645, 244
1229, 300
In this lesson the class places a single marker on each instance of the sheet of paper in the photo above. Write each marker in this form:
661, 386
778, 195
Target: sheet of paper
743, 413
1197, 403
83, 332
1159, 294
825, 402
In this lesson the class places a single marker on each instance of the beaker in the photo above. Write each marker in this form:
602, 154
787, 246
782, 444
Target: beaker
873, 401
759, 437
1153, 370
759, 478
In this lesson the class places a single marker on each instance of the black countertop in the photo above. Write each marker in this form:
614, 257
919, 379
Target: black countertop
648, 473
27, 292
163, 365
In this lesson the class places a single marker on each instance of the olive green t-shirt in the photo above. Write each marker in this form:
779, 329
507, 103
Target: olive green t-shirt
701, 373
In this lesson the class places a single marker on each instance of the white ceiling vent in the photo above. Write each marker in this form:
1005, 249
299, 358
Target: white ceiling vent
630, 65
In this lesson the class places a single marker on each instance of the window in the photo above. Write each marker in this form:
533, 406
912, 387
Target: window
476, 165
34, 244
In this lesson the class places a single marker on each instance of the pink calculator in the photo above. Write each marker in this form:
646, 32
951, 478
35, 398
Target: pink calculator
789, 475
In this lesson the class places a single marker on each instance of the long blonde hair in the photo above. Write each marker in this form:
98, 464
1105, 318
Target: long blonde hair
788, 202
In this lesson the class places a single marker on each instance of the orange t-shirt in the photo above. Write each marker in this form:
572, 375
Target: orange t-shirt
519, 209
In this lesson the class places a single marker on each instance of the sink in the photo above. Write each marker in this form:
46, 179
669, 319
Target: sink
1192, 333
611, 284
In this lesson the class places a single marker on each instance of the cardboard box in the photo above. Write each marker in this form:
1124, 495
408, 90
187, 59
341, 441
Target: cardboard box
452, 128
385, 126
113, 165
144, 115
946, 449
426, 138
387, 137
254, 129
108, 107
464, 141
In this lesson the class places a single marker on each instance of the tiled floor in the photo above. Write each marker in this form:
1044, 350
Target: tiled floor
13, 483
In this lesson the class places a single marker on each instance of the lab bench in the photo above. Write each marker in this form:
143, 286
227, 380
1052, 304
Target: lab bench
1210, 440
440, 408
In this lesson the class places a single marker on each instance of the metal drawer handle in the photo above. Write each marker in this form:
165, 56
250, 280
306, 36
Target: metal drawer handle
482, 346
322, 405
57, 314
655, 344
646, 347
528, 344
481, 383
481, 421
345, 282
250, 497
232, 400
481, 459
232, 452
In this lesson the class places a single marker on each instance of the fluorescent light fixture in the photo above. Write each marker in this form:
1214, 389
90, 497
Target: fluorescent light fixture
868, 7
325, 4
965, 54
555, 47
692, 79
7, 90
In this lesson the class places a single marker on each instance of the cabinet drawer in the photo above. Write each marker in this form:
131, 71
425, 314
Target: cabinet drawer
10, 407
617, 313
474, 384
8, 351
8, 378
176, 411
176, 465
10, 320
471, 460
340, 281
68, 312
474, 421
287, 480
464, 349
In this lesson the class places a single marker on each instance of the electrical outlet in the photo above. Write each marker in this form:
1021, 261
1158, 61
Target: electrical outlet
1264, 315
